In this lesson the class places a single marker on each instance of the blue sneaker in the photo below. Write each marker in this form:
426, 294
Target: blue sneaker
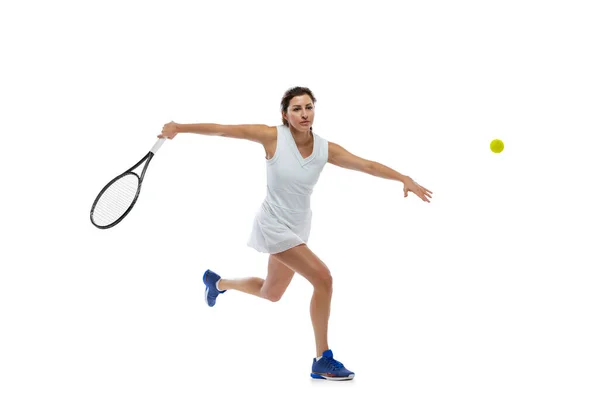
210, 294
329, 368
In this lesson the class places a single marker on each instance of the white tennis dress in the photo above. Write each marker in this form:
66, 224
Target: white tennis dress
284, 218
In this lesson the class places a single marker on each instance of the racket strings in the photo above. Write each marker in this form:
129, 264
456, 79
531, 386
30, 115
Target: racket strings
116, 200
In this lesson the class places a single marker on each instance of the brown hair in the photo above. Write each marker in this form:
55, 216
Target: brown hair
291, 93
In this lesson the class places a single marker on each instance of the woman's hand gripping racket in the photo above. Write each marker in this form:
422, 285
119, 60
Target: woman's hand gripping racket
118, 197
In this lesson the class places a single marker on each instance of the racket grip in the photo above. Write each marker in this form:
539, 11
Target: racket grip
157, 145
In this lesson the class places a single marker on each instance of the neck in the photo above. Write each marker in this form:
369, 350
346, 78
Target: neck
301, 136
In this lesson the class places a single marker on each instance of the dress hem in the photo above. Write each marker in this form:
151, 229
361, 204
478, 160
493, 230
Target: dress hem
278, 248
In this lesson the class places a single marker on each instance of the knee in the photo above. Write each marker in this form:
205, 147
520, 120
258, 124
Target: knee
324, 281
272, 295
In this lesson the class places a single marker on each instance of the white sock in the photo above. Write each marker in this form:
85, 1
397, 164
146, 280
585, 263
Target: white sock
217, 285
318, 358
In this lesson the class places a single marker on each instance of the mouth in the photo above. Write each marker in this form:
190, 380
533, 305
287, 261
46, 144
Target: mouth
305, 122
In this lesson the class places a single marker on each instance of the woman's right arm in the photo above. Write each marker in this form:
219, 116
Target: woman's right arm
256, 133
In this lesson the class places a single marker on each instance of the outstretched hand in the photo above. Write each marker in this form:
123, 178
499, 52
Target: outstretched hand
169, 131
412, 186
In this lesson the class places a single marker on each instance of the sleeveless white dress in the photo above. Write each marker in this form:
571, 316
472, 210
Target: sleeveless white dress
284, 218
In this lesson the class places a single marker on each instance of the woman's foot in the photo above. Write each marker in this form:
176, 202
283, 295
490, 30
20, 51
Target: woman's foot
329, 368
210, 294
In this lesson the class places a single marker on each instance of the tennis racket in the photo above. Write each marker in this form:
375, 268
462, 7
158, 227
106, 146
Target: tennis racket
118, 197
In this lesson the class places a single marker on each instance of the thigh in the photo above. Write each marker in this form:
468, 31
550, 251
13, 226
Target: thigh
279, 275
302, 260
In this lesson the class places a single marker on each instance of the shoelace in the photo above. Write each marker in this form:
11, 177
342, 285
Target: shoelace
334, 363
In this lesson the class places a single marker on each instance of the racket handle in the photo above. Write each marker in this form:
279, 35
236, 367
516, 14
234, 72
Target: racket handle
157, 145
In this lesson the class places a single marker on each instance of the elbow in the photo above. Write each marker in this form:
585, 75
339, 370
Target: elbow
370, 168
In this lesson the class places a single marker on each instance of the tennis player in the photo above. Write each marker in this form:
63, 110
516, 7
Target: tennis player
295, 157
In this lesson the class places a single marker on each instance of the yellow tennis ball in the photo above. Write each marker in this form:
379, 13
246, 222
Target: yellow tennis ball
497, 146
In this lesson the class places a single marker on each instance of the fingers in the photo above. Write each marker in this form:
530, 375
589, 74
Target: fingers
424, 188
420, 191
423, 193
167, 132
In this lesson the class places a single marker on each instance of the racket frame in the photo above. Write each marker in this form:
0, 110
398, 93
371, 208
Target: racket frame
147, 158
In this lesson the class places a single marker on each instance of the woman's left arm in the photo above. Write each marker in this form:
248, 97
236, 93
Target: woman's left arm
410, 185
343, 158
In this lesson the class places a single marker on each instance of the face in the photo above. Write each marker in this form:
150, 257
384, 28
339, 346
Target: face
300, 113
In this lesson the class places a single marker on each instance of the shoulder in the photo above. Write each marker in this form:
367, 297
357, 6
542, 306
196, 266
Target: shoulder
333, 150
263, 134
321, 139
255, 132
269, 132
343, 158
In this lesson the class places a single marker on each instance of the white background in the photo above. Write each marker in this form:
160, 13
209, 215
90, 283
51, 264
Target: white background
490, 291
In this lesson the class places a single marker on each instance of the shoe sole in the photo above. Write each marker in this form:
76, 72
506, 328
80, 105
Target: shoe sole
205, 290
332, 378
206, 296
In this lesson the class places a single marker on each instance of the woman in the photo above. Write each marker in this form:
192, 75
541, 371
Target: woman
295, 157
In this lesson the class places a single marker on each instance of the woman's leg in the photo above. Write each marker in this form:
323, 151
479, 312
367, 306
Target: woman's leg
303, 261
272, 288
